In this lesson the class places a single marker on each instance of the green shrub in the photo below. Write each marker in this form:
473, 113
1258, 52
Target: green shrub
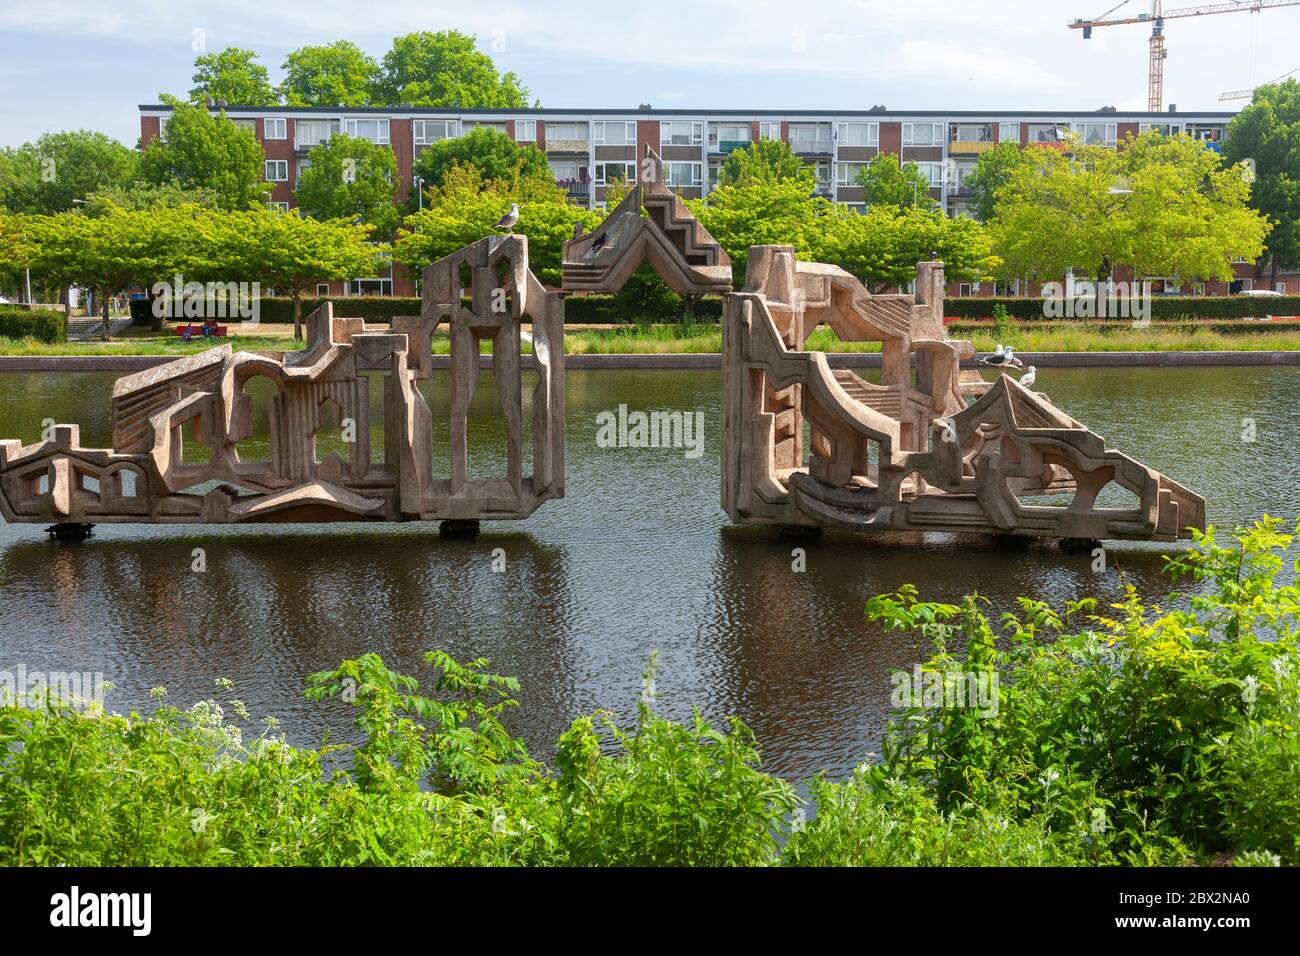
43, 325
1163, 307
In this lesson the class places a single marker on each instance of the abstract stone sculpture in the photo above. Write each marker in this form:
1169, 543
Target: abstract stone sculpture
910, 453
144, 478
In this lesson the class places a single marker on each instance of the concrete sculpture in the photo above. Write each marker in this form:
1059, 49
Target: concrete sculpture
145, 476
910, 453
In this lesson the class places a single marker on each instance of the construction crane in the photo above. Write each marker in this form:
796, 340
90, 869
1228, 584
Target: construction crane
1157, 18
1247, 94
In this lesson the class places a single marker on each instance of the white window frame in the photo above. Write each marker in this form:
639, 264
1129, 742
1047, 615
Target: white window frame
355, 284
716, 137
1008, 132
696, 134
578, 126
245, 122
277, 165
599, 130
525, 131
697, 173
841, 173
599, 173
1109, 132
330, 128
383, 129
873, 133
1279, 286
322, 289
937, 130
420, 131
1198, 288
1165, 129
931, 170
277, 205
769, 130
275, 127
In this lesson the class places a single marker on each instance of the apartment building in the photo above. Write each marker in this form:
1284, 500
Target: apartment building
588, 149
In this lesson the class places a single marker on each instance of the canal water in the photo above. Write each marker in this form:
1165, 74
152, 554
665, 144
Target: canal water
639, 557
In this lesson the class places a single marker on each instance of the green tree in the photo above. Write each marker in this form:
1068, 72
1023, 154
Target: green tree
292, 252
118, 248
336, 74
203, 151
1267, 133
351, 178
140, 195
465, 208
887, 183
494, 154
883, 245
46, 176
765, 161
445, 69
992, 170
233, 76
1162, 206
780, 212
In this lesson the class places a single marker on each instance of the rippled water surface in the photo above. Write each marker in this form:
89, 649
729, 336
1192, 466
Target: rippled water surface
638, 557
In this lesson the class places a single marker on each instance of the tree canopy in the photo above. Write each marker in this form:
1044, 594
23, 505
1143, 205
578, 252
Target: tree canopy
351, 178
494, 154
233, 76
765, 161
1161, 206
886, 182
991, 172
335, 74
200, 150
46, 176
445, 69
1267, 133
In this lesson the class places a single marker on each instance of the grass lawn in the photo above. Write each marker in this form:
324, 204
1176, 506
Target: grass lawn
668, 339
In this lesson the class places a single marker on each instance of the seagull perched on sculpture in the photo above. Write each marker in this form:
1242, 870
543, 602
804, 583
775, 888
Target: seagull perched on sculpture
507, 222
1027, 379
1002, 358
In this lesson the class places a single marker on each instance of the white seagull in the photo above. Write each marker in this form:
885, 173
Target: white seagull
507, 222
1002, 358
1028, 378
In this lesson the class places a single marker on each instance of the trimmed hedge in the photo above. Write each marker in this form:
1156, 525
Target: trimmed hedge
1231, 327
43, 325
1163, 307
578, 309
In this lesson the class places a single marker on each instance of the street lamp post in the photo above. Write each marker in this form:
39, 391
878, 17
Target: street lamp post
419, 192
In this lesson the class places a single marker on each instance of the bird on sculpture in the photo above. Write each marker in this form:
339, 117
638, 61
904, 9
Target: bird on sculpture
507, 222
1027, 379
1002, 358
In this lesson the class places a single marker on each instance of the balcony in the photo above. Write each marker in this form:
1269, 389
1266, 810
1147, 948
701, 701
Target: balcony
969, 147
808, 147
567, 145
575, 188
725, 146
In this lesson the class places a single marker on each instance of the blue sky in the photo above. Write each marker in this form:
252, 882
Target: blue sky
68, 64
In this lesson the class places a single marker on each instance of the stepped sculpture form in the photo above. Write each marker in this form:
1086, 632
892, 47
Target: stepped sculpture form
909, 454
668, 238
147, 477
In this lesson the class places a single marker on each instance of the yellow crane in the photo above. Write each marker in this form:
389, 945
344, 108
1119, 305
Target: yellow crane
1157, 18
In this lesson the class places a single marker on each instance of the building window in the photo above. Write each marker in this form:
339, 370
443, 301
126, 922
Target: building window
525, 131
1096, 134
683, 174
273, 127
1279, 287
922, 134
277, 206
322, 289
859, 134
1046, 133
1007, 288
728, 136
769, 130
1009, 132
303, 166
810, 138
1198, 288
480, 124
248, 124
614, 134
427, 132
971, 133
571, 132
965, 289
846, 174
277, 170
309, 133
608, 172
681, 134
370, 287
372, 130
1164, 129
932, 173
